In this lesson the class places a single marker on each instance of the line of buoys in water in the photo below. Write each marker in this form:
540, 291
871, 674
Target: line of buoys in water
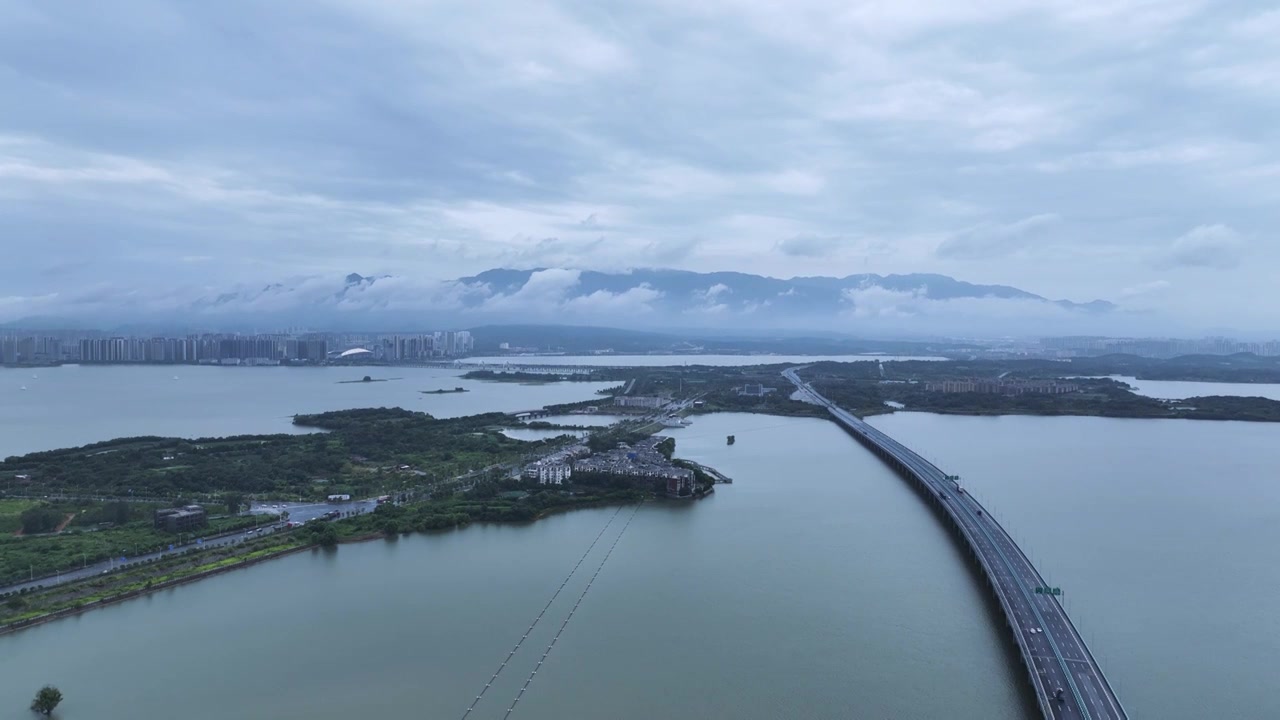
564, 624
537, 619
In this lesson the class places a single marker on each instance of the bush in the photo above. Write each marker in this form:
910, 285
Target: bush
40, 519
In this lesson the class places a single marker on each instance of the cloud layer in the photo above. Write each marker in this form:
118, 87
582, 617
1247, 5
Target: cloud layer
1078, 148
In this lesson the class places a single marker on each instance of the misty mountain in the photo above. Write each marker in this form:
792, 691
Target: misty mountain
642, 299
684, 291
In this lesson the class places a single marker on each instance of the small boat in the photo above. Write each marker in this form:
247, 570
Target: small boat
24, 387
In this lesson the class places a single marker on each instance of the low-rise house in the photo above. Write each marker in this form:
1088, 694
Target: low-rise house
183, 519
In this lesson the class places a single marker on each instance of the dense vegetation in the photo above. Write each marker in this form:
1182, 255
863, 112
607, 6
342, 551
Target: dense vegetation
485, 501
46, 700
85, 541
520, 376
363, 452
138, 576
865, 388
506, 501
1240, 368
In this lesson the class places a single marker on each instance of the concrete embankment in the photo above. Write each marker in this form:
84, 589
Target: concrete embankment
68, 612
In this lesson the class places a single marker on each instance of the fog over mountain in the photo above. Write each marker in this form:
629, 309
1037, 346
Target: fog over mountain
892, 305
217, 158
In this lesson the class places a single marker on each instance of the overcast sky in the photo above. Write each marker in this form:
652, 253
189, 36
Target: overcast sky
1117, 149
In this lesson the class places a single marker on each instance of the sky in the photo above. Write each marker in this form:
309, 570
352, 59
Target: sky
1117, 149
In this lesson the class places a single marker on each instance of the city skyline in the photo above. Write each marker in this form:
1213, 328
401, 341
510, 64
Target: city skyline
36, 348
43, 347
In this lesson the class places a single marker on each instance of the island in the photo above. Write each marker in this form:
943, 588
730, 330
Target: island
366, 379
444, 391
525, 377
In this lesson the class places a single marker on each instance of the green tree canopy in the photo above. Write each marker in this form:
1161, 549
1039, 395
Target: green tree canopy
40, 519
46, 700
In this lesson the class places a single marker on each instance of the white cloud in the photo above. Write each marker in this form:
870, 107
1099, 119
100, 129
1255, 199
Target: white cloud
1145, 289
877, 309
796, 182
1186, 152
545, 291
1206, 246
603, 304
997, 239
809, 246
435, 140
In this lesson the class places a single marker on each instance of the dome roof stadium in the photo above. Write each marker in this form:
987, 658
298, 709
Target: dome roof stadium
355, 352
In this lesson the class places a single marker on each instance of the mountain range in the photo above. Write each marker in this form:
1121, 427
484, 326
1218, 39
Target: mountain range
904, 305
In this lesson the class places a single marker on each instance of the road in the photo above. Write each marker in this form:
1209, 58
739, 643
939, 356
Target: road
1067, 681
304, 512
106, 566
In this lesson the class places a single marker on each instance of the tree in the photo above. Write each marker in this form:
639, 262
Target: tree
117, 512
324, 534
46, 700
39, 519
234, 502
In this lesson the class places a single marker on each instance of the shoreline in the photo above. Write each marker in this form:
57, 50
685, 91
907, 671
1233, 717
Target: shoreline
20, 625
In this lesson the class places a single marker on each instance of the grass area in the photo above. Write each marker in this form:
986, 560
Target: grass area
40, 555
11, 514
142, 576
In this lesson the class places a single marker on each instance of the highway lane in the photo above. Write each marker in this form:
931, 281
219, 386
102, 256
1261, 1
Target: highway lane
298, 513
1054, 653
305, 512
106, 566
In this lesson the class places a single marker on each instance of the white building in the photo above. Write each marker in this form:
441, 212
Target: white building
639, 401
549, 473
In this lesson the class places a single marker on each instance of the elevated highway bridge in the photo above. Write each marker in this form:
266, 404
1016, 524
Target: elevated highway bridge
1067, 682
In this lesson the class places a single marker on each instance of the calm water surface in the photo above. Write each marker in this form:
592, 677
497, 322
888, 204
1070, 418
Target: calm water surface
816, 586
79, 404
1176, 390
820, 589
1163, 534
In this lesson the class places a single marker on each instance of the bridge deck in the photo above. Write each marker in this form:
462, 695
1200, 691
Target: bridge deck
1051, 649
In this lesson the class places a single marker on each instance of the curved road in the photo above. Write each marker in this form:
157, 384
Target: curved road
1052, 650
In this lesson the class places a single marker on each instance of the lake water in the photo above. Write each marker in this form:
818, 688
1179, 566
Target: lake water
668, 360
78, 404
1162, 533
585, 421
529, 434
817, 592
816, 586
1175, 390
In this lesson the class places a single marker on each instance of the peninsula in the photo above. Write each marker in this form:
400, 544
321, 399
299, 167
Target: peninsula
143, 508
